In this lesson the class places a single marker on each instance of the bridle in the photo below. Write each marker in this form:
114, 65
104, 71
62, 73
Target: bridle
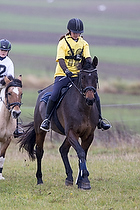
10, 106
88, 88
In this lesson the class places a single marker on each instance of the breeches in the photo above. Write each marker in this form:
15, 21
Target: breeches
59, 83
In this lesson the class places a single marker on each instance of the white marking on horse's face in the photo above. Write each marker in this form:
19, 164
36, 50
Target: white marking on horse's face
15, 90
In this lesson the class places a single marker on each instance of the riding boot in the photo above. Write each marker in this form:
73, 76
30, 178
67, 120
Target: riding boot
101, 124
45, 125
17, 133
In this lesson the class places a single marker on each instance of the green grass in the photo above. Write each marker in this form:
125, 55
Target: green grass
117, 55
127, 114
35, 49
114, 177
113, 55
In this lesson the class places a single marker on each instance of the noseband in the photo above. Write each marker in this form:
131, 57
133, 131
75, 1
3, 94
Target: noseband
8, 105
89, 88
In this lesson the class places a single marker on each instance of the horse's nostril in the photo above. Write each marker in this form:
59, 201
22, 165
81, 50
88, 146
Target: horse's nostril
90, 101
16, 114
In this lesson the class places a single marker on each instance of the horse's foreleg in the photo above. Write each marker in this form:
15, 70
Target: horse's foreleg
82, 180
64, 149
39, 155
2, 159
83, 172
3, 148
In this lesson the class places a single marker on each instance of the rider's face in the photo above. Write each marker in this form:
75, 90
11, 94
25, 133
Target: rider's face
75, 35
3, 53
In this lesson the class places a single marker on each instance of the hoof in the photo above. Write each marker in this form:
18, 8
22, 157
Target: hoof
84, 186
39, 181
68, 182
1, 177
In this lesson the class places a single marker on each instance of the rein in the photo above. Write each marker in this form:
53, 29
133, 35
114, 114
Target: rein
8, 105
83, 91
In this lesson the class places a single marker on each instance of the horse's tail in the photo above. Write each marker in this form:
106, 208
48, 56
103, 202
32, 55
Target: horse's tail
28, 139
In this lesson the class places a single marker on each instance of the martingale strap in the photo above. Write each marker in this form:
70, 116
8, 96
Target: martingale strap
75, 57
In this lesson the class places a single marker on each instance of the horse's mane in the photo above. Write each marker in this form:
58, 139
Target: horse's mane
86, 64
13, 82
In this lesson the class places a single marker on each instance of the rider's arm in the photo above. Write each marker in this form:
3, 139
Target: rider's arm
62, 64
64, 67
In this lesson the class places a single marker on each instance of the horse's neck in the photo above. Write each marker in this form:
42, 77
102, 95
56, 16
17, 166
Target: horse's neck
4, 112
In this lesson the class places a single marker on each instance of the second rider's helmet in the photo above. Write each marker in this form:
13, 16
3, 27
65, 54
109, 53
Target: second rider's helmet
5, 45
75, 25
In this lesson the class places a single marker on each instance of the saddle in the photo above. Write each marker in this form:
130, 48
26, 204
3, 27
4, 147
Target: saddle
45, 99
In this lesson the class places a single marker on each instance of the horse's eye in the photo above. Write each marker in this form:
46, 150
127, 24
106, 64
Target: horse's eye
9, 94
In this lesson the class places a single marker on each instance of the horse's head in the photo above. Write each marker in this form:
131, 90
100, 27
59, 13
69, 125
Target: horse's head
88, 79
13, 95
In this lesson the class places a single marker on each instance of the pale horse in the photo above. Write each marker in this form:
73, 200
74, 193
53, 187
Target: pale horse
10, 102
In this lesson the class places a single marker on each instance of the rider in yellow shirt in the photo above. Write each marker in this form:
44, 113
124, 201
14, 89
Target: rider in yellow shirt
70, 51
63, 51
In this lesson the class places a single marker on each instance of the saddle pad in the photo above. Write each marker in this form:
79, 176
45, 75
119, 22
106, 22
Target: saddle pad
45, 97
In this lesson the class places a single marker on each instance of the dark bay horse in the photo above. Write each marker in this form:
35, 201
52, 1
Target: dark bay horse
78, 116
10, 102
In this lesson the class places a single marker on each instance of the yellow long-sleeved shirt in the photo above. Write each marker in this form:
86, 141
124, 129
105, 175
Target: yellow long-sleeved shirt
64, 50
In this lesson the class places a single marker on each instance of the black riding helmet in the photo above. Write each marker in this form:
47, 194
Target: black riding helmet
5, 45
75, 25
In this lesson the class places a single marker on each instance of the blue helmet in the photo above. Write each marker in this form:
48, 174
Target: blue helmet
5, 45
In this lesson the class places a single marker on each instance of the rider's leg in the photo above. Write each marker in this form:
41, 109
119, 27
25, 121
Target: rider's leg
17, 133
60, 82
101, 124
45, 125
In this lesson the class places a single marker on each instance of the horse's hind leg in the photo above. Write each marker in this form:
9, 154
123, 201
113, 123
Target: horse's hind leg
64, 149
39, 154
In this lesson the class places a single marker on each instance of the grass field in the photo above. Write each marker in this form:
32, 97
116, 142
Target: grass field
114, 177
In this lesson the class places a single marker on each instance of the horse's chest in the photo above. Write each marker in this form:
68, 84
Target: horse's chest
83, 123
7, 128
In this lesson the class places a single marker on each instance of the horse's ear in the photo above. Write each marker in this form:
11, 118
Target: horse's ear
6, 80
20, 77
83, 61
95, 62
